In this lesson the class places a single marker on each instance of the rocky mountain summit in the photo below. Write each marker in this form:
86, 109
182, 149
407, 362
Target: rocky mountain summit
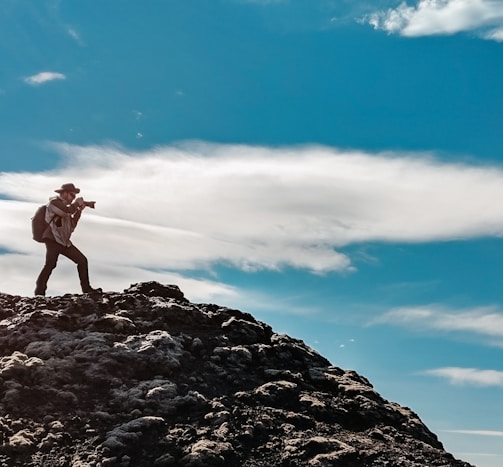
146, 378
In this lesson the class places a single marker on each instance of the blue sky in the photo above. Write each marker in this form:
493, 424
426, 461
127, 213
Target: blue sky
335, 168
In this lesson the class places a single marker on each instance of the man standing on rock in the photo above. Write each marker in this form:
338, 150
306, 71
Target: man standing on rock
62, 215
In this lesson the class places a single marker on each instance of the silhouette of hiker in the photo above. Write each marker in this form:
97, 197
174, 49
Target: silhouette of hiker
62, 215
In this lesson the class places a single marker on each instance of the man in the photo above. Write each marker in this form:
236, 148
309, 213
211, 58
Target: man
62, 214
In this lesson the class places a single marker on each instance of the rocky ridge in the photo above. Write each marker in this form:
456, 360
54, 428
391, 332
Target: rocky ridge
146, 378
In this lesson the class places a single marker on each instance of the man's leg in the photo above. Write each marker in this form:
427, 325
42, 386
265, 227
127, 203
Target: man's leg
74, 254
51, 258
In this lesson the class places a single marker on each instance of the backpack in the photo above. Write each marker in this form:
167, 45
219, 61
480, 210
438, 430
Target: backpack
38, 224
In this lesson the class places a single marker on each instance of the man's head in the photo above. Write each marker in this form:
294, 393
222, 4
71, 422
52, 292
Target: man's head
70, 187
68, 192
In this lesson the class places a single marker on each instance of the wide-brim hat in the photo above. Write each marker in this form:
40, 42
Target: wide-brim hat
70, 187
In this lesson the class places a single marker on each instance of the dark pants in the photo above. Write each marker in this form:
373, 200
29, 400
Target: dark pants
54, 249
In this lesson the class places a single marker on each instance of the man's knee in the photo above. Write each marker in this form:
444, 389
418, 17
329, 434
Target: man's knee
76, 256
81, 262
50, 264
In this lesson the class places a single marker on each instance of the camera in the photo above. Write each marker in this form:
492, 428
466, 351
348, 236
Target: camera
82, 203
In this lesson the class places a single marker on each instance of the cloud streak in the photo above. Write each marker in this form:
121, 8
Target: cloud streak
477, 432
43, 77
484, 321
74, 34
195, 205
442, 17
469, 376
490, 433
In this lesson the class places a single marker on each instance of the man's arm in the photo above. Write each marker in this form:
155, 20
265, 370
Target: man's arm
76, 217
60, 208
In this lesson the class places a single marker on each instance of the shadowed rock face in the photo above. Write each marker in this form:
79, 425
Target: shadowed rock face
146, 378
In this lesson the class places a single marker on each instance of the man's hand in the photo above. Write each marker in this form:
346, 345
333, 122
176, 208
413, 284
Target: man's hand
82, 204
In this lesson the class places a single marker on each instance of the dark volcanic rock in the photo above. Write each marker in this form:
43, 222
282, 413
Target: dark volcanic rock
146, 378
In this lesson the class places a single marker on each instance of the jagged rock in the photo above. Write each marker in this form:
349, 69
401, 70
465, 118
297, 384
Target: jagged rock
146, 378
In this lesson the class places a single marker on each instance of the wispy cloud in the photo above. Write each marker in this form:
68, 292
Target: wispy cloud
483, 321
477, 432
43, 77
195, 205
74, 34
442, 17
469, 376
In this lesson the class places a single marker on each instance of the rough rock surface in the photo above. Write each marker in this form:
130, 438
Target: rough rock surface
146, 378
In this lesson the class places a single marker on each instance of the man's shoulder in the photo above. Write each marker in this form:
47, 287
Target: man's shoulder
56, 202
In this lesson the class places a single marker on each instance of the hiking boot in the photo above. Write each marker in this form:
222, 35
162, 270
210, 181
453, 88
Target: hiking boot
91, 290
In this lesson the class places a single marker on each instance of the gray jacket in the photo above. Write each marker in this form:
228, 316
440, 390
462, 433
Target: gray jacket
62, 219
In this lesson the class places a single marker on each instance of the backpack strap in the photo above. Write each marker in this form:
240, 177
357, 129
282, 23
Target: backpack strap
53, 217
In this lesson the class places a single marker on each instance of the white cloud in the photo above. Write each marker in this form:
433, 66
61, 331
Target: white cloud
73, 33
495, 34
477, 432
43, 77
442, 17
469, 376
192, 206
484, 321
